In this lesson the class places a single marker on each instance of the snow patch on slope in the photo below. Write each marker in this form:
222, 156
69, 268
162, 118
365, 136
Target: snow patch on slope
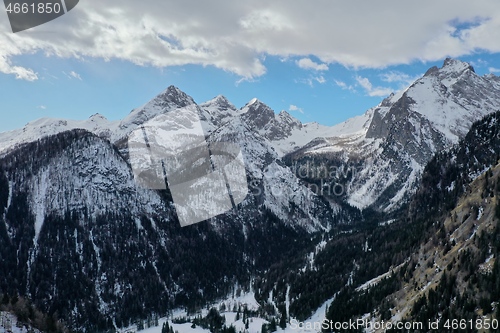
43, 127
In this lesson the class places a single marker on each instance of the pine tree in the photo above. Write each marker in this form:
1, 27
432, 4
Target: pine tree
283, 319
140, 325
238, 314
272, 327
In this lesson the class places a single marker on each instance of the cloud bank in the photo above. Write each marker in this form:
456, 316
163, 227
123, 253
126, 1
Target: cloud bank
236, 36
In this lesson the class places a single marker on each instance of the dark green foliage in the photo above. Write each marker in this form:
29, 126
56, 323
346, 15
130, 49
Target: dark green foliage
497, 210
448, 174
159, 253
283, 319
350, 303
4, 191
120, 250
444, 180
213, 321
166, 328
389, 246
272, 326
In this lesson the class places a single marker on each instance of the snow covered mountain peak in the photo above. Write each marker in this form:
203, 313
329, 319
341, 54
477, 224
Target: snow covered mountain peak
257, 107
221, 101
396, 139
450, 98
218, 110
170, 99
257, 114
98, 118
219, 104
252, 101
287, 118
451, 65
175, 95
43, 127
451, 71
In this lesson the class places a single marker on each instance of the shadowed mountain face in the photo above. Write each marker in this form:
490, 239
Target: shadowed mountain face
449, 270
396, 139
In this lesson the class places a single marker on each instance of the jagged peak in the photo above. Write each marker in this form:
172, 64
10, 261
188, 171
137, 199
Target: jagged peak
285, 115
219, 100
174, 94
491, 76
253, 101
97, 116
453, 62
173, 90
452, 71
456, 66
171, 98
451, 67
389, 100
255, 105
287, 118
431, 71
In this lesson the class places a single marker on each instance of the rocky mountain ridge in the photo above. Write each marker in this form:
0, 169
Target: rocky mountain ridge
391, 143
388, 146
79, 236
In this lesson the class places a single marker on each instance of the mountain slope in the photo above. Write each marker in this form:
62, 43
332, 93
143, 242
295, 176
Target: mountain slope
450, 231
388, 146
79, 237
170, 99
393, 141
83, 240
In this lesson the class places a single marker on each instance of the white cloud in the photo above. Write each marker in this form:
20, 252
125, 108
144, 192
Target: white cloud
344, 85
75, 75
479, 63
236, 36
320, 79
295, 108
21, 73
494, 70
311, 80
394, 76
306, 63
341, 84
370, 89
43, 107
404, 80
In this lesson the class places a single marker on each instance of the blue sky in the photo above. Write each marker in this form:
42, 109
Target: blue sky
289, 55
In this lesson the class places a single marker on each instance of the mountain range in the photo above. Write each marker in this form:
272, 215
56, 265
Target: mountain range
328, 210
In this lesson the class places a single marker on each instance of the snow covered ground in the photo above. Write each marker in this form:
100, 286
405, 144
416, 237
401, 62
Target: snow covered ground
9, 323
254, 323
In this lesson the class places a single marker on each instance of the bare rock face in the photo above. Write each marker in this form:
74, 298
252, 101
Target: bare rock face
404, 131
